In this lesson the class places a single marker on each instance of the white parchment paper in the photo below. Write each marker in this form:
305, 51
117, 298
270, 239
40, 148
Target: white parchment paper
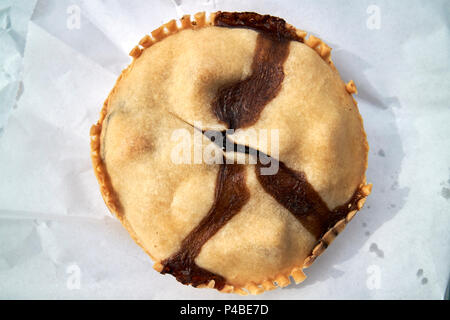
57, 239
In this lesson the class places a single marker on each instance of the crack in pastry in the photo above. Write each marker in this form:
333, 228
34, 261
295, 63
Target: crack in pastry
102, 146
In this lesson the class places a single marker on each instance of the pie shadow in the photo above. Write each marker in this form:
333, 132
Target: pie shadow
385, 161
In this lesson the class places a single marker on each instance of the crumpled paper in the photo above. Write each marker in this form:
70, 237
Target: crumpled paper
59, 59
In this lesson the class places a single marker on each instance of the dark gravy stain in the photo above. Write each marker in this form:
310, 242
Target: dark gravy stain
271, 26
240, 104
231, 195
293, 191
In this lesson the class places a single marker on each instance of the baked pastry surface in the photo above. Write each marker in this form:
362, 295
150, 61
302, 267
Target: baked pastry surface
228, 226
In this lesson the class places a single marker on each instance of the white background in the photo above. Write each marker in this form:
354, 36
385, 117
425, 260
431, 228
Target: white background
57, 239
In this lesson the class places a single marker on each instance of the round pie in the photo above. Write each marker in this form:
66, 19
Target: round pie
231, 151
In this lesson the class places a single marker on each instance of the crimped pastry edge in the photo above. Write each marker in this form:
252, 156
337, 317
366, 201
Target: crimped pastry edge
200, 20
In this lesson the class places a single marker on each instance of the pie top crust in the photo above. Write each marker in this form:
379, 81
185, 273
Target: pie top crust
226, 226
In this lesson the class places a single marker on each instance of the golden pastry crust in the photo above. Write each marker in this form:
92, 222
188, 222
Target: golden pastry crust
138, 146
